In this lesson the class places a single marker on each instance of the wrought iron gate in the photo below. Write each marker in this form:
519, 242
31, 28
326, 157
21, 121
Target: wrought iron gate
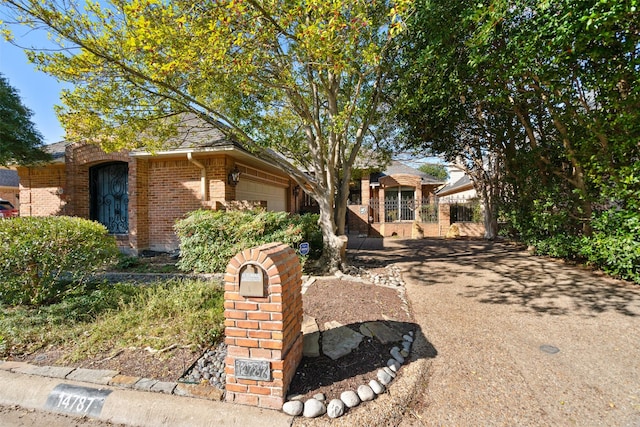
109, 196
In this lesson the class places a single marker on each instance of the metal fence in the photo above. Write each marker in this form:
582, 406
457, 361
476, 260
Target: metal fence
404, 210
466, 210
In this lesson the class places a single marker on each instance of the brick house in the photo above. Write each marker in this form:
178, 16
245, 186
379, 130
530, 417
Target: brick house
405, 202
139, 195
393, 201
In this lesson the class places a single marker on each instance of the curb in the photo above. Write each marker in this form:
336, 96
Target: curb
126, 400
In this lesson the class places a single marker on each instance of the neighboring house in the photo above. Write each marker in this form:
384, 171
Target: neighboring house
459, 196
390, 202
138, 195
459, 187
9, 186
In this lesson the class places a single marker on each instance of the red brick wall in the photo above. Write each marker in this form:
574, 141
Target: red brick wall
358, 219
265, 329
139, 220
174, 189
42, 190
161, 191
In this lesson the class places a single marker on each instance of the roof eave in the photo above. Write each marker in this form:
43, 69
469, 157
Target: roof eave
450, 191
238, 153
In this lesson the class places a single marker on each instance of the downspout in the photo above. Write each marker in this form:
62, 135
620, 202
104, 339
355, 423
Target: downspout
203, 176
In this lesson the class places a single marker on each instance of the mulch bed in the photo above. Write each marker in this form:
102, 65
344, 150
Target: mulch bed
350, 303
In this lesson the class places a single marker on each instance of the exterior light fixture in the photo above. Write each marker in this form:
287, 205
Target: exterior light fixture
296, 191
234, 177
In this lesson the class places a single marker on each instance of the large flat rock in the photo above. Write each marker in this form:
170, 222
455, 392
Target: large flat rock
310, 337
309, 325
338, 341
381, 332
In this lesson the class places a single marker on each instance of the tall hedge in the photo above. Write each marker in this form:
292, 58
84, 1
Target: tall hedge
41, 259
209, 239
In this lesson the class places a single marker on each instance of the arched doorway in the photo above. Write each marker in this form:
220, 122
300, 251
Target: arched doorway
109, 197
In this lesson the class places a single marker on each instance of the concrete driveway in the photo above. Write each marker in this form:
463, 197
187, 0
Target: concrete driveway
520, 340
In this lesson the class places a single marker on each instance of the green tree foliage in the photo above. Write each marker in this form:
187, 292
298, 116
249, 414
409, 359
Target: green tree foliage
42, 259
436, 170
549, 92
20, 141
444, 99
305, 78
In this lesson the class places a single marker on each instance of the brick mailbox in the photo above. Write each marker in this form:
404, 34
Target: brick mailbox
263, 319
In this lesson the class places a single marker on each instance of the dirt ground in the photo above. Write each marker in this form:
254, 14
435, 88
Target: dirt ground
520, 339
352, 304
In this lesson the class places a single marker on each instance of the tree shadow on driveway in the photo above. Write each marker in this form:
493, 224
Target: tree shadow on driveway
500, 273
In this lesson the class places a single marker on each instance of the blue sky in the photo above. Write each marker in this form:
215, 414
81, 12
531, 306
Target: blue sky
38, 91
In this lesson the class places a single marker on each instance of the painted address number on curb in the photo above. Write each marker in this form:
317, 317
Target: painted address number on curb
253, 369
76, 400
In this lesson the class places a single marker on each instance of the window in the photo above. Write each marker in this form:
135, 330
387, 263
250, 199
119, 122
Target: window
109, 196
399, 204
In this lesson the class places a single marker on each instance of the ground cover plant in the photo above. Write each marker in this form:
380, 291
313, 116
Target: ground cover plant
108, 317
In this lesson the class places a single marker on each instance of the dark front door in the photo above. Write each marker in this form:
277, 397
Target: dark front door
109, 196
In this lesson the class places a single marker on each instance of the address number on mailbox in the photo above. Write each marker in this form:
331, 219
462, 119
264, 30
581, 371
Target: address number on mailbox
252, 279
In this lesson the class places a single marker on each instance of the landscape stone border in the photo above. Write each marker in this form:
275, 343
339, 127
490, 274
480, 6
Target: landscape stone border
315, 407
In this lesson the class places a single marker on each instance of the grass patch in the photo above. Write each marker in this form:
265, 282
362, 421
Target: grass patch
158, 264
107, 317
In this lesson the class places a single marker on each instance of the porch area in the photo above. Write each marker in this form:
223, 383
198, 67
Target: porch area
406, 217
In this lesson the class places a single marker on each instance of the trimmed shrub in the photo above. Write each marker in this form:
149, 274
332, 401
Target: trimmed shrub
209, 239
43, 259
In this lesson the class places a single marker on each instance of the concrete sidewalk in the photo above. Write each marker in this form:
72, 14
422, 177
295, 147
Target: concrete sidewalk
25, 386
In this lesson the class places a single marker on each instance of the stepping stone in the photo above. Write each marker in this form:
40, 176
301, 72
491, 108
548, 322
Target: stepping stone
338, 340
310, 337
309, 325
332, 325
382, 332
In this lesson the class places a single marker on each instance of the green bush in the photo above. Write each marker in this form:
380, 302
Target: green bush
209, 239
614, 245
43, 259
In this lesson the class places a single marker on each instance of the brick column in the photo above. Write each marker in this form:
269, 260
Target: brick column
444, 218
263, 333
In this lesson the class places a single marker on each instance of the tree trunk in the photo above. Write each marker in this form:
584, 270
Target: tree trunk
333, 253
490, 219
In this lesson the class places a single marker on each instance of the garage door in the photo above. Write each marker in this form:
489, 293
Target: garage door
252, 190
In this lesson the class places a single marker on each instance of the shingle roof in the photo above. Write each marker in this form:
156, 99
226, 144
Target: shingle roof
465, 181
56, 149
9, 178
195, 133
397, 168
